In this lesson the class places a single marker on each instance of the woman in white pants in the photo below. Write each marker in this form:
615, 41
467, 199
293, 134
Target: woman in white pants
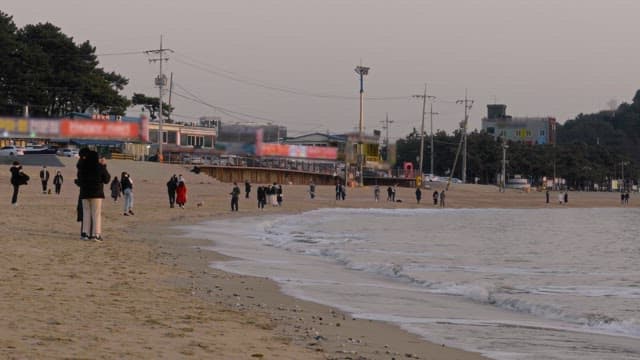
92, 176
127, 191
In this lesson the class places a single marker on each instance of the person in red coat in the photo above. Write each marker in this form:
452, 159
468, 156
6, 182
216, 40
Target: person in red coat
181, 194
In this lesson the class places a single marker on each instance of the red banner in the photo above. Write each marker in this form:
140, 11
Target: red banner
99, 129
298, 151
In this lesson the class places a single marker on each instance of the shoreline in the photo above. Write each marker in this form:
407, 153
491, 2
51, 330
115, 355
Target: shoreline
146, 293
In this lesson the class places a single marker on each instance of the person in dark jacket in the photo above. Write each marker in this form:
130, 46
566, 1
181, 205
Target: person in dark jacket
172, 186
92, 176
126, 183
235, 194
247, 189
418, 194
262, 197
57, 182
116, 188
18, 178
44, 178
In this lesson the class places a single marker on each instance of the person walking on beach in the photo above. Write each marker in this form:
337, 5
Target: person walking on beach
262, 197
560, 198
247, 189
181, 194
389, 193
442, 196
566, 197
57, 182
418, 194
116, 188
343, 192
435, 197
18, 178
44, 178
547, 195
172, 185
92, 176
312, 190
273, 194
279, 194
235, 194
338, 190
376, 193
127, 191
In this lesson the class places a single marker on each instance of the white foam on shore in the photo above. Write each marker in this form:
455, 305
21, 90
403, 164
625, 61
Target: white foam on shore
345, 258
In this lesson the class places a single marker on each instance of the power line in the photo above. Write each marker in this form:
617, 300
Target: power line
122, 53
231, 113
257, 83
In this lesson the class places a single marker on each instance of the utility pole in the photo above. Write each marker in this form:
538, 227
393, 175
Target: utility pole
424, 98
503, 177
467, 106
160, 82
170, 94
431, 113
362, 71
385, 127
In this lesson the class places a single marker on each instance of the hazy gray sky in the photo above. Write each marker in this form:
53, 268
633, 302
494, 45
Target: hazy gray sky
542, 58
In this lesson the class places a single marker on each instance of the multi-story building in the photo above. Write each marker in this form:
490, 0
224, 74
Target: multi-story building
183, 139
529, 130
347, 145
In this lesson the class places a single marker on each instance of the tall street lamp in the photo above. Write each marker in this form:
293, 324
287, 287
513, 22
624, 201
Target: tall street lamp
362, 71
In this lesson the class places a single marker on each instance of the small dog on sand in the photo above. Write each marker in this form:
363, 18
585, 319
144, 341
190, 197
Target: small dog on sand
200, 204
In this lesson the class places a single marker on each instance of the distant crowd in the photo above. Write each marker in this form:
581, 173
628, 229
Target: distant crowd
92, 175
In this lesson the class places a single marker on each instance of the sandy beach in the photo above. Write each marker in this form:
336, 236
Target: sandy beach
146, 292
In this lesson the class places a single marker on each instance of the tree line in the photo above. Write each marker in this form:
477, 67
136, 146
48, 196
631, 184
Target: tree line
590, 149
44, 69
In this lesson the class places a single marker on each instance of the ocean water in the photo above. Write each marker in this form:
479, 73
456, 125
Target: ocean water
511, 284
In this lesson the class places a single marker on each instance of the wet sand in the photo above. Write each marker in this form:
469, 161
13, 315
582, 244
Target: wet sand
146, 292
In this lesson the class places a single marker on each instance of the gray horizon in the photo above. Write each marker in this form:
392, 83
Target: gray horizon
540, 58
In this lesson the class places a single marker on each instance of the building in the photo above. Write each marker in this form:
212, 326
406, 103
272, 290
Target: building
323, 140
240, 139
347, 145
529, 130
181, 140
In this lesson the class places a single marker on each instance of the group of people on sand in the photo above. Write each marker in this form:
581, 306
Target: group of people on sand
19, 178
624, 198
392, 191
177, 191
123, 187
563, 197
269, 194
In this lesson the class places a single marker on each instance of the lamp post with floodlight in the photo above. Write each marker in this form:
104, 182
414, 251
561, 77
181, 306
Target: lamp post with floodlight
362, 71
